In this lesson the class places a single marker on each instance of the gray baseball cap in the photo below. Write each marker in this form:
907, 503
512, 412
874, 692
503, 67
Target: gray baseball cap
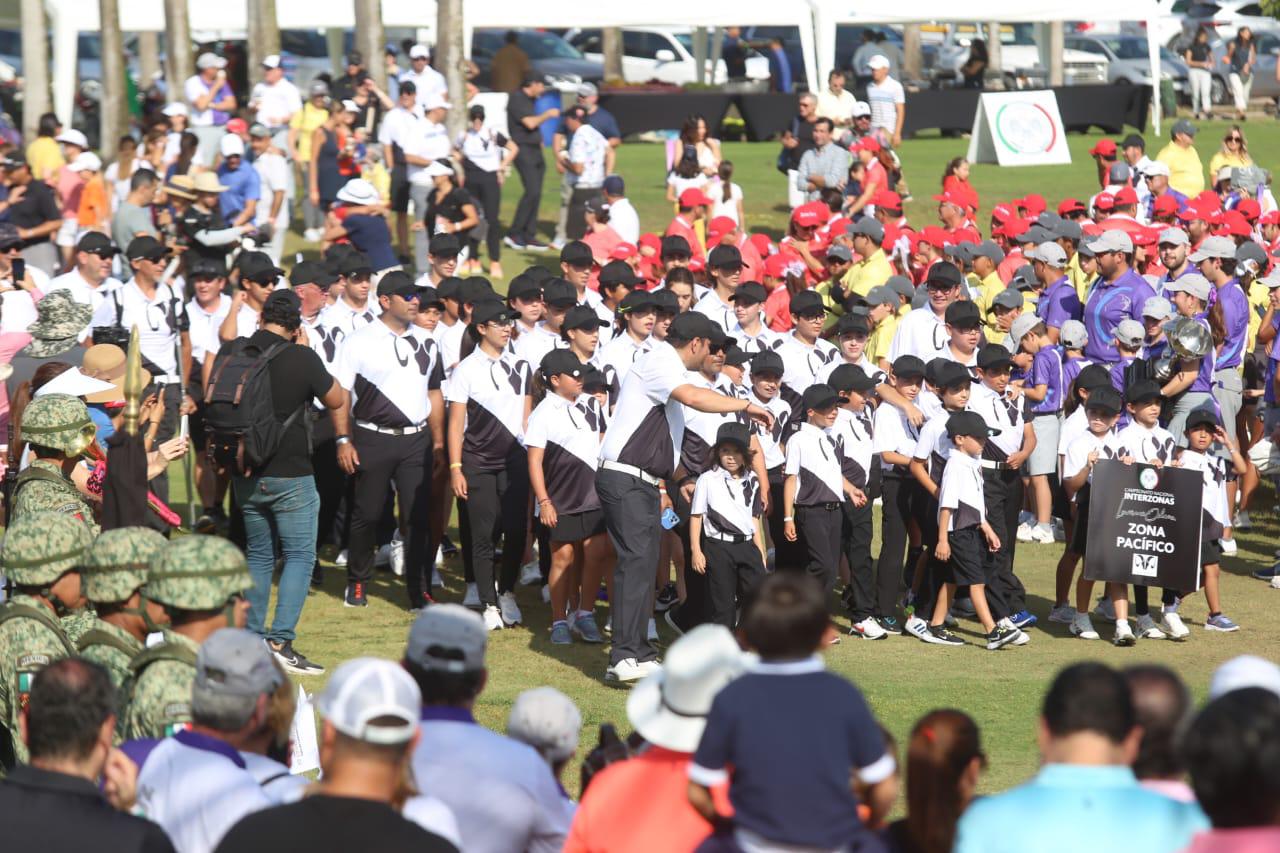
901, 285
1197, 285
1118, 174
1049, 253
988, 249
1182, 126
1157, 308
1130, 333
1214, 247
1022, 325
840, 252
881, 295
447, 637
1073, 335
1173, 237
867, 227
235, 661
1113, 240
1010, 297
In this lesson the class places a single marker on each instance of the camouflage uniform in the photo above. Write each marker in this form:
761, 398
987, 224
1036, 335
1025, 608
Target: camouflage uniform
115, 568
37, 551
58, 422
192, 573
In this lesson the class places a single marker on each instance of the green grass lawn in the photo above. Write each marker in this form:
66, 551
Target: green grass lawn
902, 677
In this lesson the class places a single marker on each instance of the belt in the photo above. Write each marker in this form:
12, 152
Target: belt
167, 379
409, 430
1055, 413
638, 473
993, 465
828, 506
727, 537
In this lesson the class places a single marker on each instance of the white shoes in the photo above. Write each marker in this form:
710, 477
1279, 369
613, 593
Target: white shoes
1173, 625
869, 629
1228, 546
341, 559
628, 669
531, 573
492, 619
510, 609
395, 555
1063, 613
1145, 627
916, 627
472, 596
1275, 582
1022, 637
1025, 532
1082, 627
1124, 634
1042, 533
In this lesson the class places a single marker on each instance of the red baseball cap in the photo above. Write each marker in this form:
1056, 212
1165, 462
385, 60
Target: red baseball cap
650, 240
964, 235
1272, 218
866, 143
776, 265
1164, 205
762, 244
1249, 208
1034, 204
837, 226
1207, 201
957, 199
1071, 205
694, 197
1104, 201
622, 251
719, 227
811, 215
1012, 228
1144, 236
1192, 212
1126, 195
1104, 147
887, 198
934, 235
1003, 213
1234, 224
697, 265
237, 126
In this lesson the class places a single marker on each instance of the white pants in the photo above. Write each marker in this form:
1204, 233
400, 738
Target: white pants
795, 197
1240, 90
1201, 90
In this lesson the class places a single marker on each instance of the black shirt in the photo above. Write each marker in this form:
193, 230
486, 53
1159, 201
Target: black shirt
297, 376
448, 208
1199, 52
321, 823
56, 813
520, 106
37, 206
803, 132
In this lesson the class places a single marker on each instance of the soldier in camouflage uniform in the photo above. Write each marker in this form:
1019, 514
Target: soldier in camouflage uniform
113, 576
58, 428
41, 554
200, 581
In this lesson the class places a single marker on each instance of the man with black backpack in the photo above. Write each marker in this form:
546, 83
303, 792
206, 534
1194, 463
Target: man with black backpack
258, 391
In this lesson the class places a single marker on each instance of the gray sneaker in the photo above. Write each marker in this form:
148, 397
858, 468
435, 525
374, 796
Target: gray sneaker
585, 628
560, 635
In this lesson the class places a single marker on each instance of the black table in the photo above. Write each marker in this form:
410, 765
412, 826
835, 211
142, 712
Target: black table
1082, 107
640, 112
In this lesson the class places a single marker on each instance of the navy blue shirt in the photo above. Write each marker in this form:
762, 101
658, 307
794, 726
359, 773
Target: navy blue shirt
371, 236
794, 735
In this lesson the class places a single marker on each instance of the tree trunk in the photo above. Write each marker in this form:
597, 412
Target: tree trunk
179, 61
148, 59
1056, 36
263, 36
611, 46
35, 68
370, 41
994, 62
114, 109
451, 62
700, 55
912, 57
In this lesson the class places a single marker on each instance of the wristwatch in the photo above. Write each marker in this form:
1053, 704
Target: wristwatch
342, 439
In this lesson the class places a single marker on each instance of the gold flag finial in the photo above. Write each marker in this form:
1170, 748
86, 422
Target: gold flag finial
133, 383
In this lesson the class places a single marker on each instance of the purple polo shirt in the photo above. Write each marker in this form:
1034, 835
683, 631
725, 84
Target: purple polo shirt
1046, 369
1109, 303
1059, 303
1071, 368
1235, 315
1187, 269
1269, 389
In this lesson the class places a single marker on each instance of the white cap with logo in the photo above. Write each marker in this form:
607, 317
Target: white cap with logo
372, 700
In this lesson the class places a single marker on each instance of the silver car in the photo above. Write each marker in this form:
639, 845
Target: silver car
1265, 84
1129, 61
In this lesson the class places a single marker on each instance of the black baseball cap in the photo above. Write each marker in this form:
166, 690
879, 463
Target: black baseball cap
444, 245
524, 287
1105, 398
807, 303
619, 272
146, 247
734, 433
673, 246
286, 298
907, 367
449, 288
749, 293
397, 283
852, 324
354, 265
851, 377
963, 314
768, 361
582, 317
538, 273
559, 362
943, 274
97, 243
1142, 391
952, 374
970, 424
335, 253
576, 252
724, 256
820, 396
489, 310
593, 380
559, 293
476, 289
637, 300
258, 267
312, 272
1202, 416
1095, 376
690, 325
735, 356
207, 267
994, 356
665, 301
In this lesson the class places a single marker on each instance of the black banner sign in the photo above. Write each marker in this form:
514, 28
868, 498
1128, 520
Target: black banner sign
1144, 526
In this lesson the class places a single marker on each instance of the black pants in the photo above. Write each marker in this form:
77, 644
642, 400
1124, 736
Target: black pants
733, 570
897, 494
172, 396
484, 187
576, 222
786, 555
818, 528
406, 461
869, 594
497, 503
1002, 490
696, 607
532, 168
632, 517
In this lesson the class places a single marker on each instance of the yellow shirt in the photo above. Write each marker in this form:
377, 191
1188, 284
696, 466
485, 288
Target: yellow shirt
1186, 172
305, 121
44, 156
988, 289
881, 339
834, 308
1222, 159
871, 271
1078, 279
1259, 296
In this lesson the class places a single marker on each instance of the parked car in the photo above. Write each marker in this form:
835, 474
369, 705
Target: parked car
1265, 84
549, 54
1019, 57
661, 53
1224, 17
1128, 59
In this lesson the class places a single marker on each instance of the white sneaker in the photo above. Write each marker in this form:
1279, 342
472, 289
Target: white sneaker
1124, 634
1173, 625
341, 559
1042, 533
1242, 521
472, 596
651, 633
1228, 546
530, 573
1082, 627
438, 562
383, 556
1021, 639
1024, 532
916, 627
1063, 613
627, 670
436, 580
492, 619
869, 629
395, 556
510, 610
1106, 611
1275, 582
546, 593
1145, 627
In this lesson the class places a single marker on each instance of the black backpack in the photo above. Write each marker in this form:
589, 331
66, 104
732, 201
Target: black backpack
240, 408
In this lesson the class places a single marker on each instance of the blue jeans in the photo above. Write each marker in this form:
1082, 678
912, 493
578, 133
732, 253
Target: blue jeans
280, 511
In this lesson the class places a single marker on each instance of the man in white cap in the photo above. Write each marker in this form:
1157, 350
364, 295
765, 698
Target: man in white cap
275, 100
239, 201
500, 790
1156, 177
1174, 246
210, 100
428, 82
888, 102
370, 711
642, 804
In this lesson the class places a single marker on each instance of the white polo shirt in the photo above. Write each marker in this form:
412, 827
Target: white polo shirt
701, 428
624, 220
342, 317
894, 433
812, 459
1002, 413
921, 333
154, 317
1077, 453
719, 311
802, 363
426, 82
934, 446
426, 139
728, 505
389, 375
961, 492
771, 439
196, 788
765, 339
622, 352
81, 290
569, 435
494, 390
1145, 444
398, 125
647, 423
276, 102
533, 344
274, 778
852, 436
205, 325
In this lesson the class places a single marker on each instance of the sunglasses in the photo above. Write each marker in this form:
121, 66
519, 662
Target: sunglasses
411, 296
1235, 139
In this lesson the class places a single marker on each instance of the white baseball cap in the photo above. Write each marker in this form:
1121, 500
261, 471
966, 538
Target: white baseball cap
175, 109
1197, 285
372, 700
1156, 167
1245, 671
878, 61
436, 101
86, 161
861, 108
74, 383
1049, 253
350, 106
419, 51
71, 136
271, 61
210, 60
359, 191
231, 145
1214, 247
548, 721
437, 168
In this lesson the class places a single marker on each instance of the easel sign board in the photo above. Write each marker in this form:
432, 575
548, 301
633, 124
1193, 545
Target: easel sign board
1019, 129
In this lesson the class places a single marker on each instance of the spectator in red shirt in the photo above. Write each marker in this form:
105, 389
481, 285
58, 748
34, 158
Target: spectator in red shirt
693, 208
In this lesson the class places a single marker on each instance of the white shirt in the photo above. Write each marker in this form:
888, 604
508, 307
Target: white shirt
276, 102
813, 461
883, 97
771, 439
1000, 413
728, 505
921, 333
197, 793
482, 148
153, 317
426, 82
874, 373
1213, 470
344, 319
701, 428
961, 492
624, 220
195, 87
934, 446
764, 339
721, 208
494, 390
1073, 426
1077, 453
718, 310
389, 375
397, 125
246, 321
1145, 444
835, 107
569, 434
19, 309
533, 344
623, 351
273, 177
205, 325
501, 791
802, 362
637, 435
81, 290
274, 778
588, 148
428, 140
852, 436
450, 340
895, 434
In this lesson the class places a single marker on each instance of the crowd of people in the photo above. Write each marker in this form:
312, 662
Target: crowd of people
688, 420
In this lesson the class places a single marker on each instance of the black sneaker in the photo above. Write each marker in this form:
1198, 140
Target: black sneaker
293, 661
667, 597
447, 547
1001, 636
943, 637
205, 524
536, 246
890, 624
355, 596
846, 597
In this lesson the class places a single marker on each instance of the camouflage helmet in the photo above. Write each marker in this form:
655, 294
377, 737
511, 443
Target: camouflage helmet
59, 422
118, 561
40, 547
197, 572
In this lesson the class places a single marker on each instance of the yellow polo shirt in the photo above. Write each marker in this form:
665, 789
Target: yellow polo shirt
305, 121
867, 273
1186, 172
